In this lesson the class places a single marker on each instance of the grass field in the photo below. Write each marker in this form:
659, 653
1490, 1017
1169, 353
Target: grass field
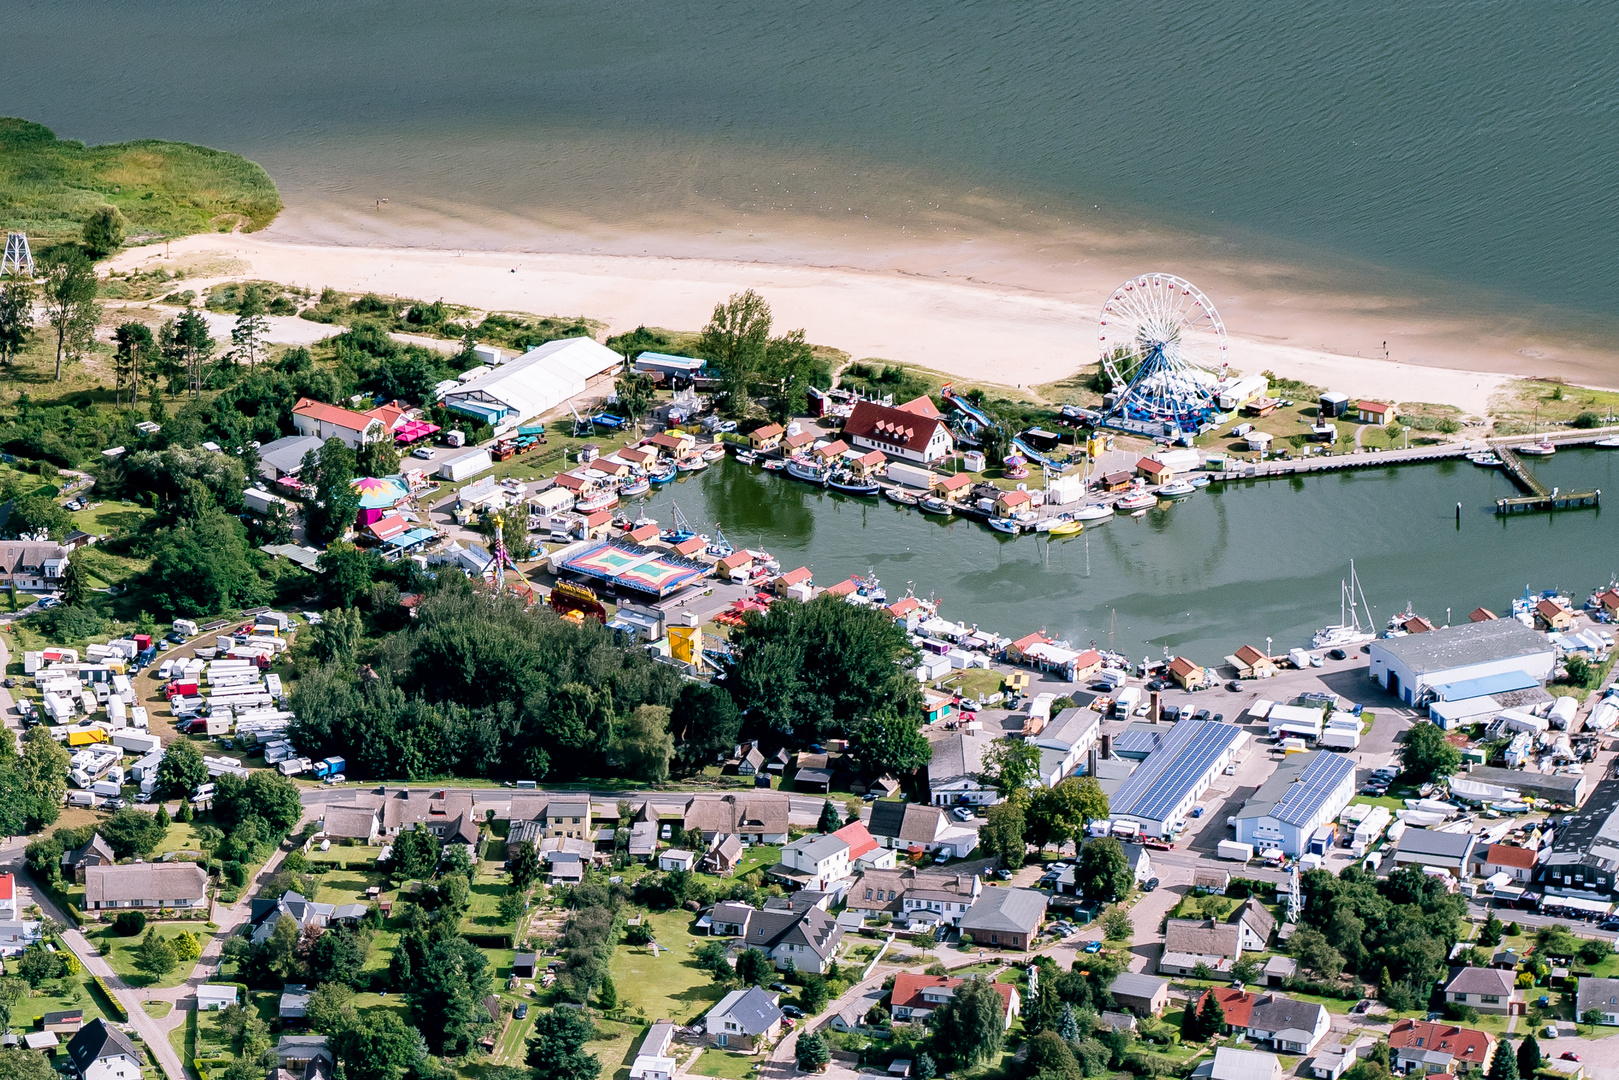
669, 986
73, 993
615, 1046
726, 1065
120, 955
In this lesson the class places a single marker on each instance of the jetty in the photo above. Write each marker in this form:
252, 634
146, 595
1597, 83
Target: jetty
1359, 459
1541, 497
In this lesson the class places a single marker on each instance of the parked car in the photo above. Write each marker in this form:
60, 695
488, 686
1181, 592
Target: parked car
1338, 654
793, 1011
961, 813
1361, 1006
1004, 875
1151, 884
521, 1012
1231, 769
423, 452
941, 858
1234, 686
1093, 946
781, 988
1569, 1055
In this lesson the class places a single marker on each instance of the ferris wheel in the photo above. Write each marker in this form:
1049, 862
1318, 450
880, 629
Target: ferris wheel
1164, 349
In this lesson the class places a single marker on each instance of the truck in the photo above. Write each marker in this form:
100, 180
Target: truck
455, 438
176, 688
1235, 850
329, 766
1126, 701
1299, 658
295, 766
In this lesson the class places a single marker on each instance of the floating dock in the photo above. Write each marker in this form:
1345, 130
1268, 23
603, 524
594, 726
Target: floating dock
1540, 496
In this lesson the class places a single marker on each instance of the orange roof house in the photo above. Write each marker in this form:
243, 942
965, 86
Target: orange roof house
792, 577
1552, 616
1374, 412
913, 431
834, 449
858, 837
1153, 469
1464, 1044
1188, 674
1482, 614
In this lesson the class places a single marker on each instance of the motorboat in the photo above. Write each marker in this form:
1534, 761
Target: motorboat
638, 486
691, 464
773, 465
1539, 449
642, 522
605, 501
901, 496
1485, 459
1176, 489
1005, 525
1608, 444
1138, 500
1067, 528
1200, 481
1348, 631
747, 457
662, 473
1094, 512
850, 484
932, 504
808, 471
713, 451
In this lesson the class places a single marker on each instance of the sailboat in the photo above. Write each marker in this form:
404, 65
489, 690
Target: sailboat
1348, 631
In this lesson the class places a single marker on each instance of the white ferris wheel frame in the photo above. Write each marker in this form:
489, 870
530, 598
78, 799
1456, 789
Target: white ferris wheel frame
1167, 310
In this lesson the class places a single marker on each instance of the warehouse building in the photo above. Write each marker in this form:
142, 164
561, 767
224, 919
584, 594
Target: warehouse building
1162, 790
535, 383
1558, 788
1305, 792
1414, 667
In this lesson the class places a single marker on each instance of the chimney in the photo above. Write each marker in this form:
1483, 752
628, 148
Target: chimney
1107, 747
1154, 708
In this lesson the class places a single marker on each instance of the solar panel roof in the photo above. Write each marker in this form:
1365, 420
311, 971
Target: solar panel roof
1183, 758
1136, 742
1303, 799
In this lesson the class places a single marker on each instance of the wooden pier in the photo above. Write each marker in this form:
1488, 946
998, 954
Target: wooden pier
1540, 496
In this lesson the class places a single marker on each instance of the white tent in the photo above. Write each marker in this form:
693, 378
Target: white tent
540, 379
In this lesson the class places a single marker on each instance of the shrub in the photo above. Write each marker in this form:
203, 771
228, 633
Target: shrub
130, 923
235, 873
1588, 419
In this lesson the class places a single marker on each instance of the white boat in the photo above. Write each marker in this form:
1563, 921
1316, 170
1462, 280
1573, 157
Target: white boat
1140, 500
1176, 489
639, 486
1005, 525
1348, 631
1608, 444
691, 464
932, 504
1511, 806
803, 469
713, 451
901, 496
1094, 512
747, 457
1484, 459
1539, 449
1200, 481
605, 501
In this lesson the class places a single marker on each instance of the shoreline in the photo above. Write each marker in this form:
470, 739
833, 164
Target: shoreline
987, 309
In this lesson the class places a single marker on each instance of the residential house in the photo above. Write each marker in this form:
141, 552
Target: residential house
295, 998
767, 438
908, 894
1601, 995
264, 914
8, 897
564, 867
17, 934
956, 770
744, 1020
723, 855
1290, 1026
756, 819
1211, 880
915, 997
1516, 862
1140, 862
808, 937
913, 431
926, 828
1005, 918
1488, 990
1255, 923
32, 566
750, 760
1190, 942
864, 851
814, 861
1428, 1047
1229, 1063
95, 852
145, 885
852, 1015
1142, 994
1374, 412
356, 824
99, 1051
285, 457
297, 1053
215, 996
315, 418
447, 815
652, 1060
1250, 663
676, 859
1236, 1006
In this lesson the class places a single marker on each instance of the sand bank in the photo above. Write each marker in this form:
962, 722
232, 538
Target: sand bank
1007, 319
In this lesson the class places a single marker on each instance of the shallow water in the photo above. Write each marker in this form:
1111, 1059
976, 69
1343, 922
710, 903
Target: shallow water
1232, 564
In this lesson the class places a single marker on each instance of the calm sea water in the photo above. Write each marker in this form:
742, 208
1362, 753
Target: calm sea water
1470, 142
1234, 563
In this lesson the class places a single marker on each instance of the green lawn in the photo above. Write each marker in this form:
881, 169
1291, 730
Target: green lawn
74, 993
726, 1065
348, 886
482, 914
614, 1046
669, 986
158, 1009
759, 856
120, 955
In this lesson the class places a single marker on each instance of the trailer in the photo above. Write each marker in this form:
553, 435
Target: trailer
295, 766
1235, 850
1322, 840
136, 742
329, 766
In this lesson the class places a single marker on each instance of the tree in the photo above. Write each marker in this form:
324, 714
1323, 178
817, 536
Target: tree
789, 367
1577, 669
187, 949
338, 956
16, 317
1528, 1056
607, 995
1489, 934
131, 833
753, 968
557, 1047
1246, 969
75, 590
1058, 815
185, 347
815, 993
1103, 873
155, 956
378, 1046
39, 964
330, 510
446, 990
415, 853
1504, 1065
275, 799
70, 302
1590, 1018
201, 567
1011, 765
1068, 1023
134, 353
331, 1008
1117, 925
735, 340
891, 745
130, 923
251, 325
337, 638
36, 515
830, 822
713, 957
19, 1064
524, 864
1210, 1016
1050, 1058
811, 1052
41, 772
1002, 835
634, 390
1428, 754
925, 1068
1316, 954
103, 231
968, 1028
181, 771
643, 744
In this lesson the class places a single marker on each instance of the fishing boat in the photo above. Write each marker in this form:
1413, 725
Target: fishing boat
638, 486
1511, 806
681, 531
747, 457
1005, 525
1176, 489
870, 588
662, 473
806, 470
1539, 449
932, 504
901, 496
1348, 631
850, 484
1608, 444
1094, 512
642, 522
1138, 500
773, 465
713, 451
691, 464
605, 501
1484, 459
1067, 528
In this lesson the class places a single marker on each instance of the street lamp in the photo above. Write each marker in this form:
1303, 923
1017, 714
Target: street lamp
1267, 648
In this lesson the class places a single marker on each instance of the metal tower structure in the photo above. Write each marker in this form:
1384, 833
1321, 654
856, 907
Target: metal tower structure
1295, 897
1162, 343
18, 259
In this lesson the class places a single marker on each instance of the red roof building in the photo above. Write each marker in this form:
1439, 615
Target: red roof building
311, 417
1482, 614
903, 607
914, 997
913, 431
793, 577
846, 587
1236, 1005
834, 449
1463, 1044
858, 837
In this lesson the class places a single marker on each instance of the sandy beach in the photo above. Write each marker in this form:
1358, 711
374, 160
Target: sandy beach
982, 310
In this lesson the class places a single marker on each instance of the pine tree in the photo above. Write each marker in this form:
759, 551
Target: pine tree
1211, 1017
1528, 1056
1068, 1024
829, 818
607, 995
1504, 1066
